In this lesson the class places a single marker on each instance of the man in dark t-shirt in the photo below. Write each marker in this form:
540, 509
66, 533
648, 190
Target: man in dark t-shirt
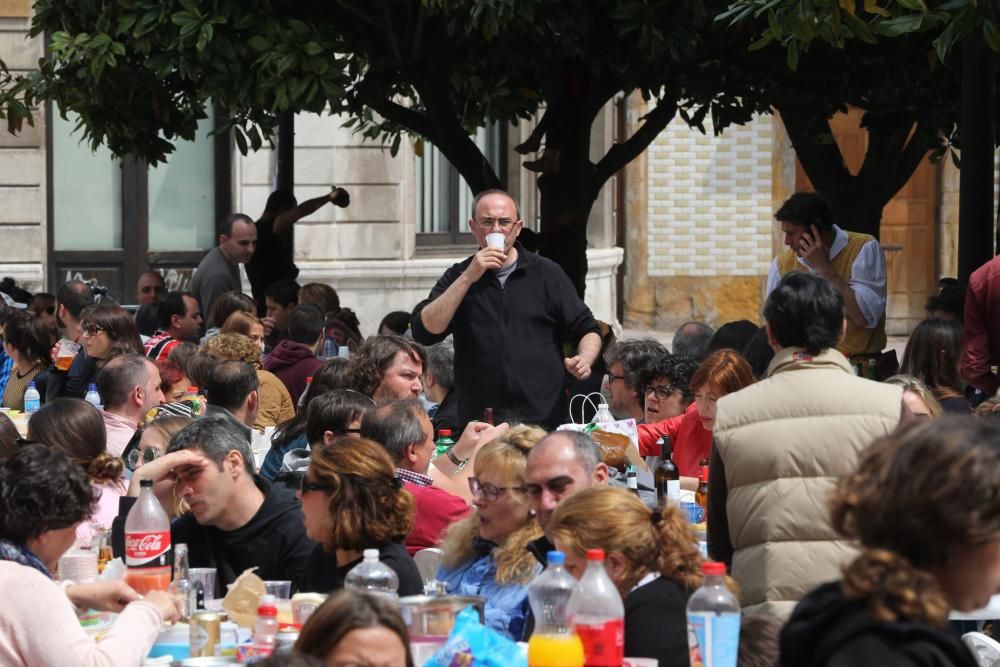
274, 259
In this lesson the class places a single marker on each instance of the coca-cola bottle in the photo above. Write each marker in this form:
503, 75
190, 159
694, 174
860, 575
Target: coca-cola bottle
147, 543
597, 614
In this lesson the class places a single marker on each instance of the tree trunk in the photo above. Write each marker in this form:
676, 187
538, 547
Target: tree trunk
565, 210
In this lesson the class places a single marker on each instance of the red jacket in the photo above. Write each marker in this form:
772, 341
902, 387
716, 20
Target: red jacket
981, 336
690, 441
436, 510
292, 362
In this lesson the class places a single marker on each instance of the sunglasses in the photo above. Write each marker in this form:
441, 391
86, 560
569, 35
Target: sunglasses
147, 455
305, 486
91, 329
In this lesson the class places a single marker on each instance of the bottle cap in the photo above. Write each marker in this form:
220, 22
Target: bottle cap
713, 569
268, 605
370, 554
309, 379
555, 558
595, 554
92, 386
602, 406
444, 431
31, 385
192, 390
145, 482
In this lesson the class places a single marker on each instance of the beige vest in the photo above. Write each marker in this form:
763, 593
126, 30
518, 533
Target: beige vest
784, 442
857, 339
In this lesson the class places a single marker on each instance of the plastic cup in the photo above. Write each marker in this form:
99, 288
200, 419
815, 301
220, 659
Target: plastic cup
495, 240
65, 352
282, 590
206, 575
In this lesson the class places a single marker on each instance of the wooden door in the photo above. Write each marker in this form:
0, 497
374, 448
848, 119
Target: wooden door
907, 234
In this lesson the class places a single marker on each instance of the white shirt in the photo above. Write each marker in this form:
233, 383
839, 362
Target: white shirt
867, 276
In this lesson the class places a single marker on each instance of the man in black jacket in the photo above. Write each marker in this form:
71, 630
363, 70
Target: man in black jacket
236, 520
510, 311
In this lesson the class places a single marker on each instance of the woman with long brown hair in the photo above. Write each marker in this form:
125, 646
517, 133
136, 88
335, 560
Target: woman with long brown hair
924, 506
932, 355
352, 501
651, 556
486, 553
106, 330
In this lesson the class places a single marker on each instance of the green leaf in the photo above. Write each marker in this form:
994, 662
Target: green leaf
394, 149
313, 49
260, 44
772, 23
859, 28
793, 55
241, 140
761, 43
125, 23
901, 25
913, 5
992, 35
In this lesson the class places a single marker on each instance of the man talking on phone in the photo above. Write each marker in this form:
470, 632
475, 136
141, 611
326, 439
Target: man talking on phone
854, 263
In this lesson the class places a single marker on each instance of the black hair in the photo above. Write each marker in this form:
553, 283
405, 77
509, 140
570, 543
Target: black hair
805, 311
305, 324
334, 411
278, 201
806, 209
732, 336
74, 296
172, 304
678, 368
147, 319
8, 437
10, 287
41, 489
284, 292
215, 437
226, 226
949, 299
27, 335
759, 353
230, 383
398, 322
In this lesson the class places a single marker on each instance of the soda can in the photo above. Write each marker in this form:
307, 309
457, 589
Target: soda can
206, 631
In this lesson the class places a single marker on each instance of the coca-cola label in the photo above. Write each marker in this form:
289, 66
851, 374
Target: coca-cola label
147, 549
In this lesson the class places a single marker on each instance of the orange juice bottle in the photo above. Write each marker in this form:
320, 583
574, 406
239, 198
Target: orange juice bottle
554, 644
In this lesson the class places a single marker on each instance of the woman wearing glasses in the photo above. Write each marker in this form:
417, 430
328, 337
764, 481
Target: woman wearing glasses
352, 501
486, 554
723, 372
76, 428
107, 330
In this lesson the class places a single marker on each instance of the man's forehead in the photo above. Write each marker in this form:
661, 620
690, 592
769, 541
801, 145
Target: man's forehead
404, 359
496, 202
150, 279
791, 227
555, 458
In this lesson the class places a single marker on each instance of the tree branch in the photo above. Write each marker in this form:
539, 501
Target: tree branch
822, 161
622, 153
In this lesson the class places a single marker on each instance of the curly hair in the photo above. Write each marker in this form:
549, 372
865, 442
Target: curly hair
235, 347
918, 494
368, 506
344, 612
677, 368
76, 428
508, 456
603, 517
375, 356
41, 490
117, 323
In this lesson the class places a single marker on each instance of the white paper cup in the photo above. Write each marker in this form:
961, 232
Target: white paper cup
495, 240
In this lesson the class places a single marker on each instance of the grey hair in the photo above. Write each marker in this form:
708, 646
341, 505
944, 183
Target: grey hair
395, 425
120, 375
215, 437
692, 339
634, 354
584, 447
441, 362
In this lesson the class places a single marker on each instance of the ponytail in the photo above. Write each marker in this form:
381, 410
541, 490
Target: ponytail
105, 467
892, 588
679, 557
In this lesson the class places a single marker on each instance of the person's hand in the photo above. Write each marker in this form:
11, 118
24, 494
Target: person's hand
340, 197
102, 595
487, 259
578, 367
169, 605
269, 325
161, 470
475, 435
814, 251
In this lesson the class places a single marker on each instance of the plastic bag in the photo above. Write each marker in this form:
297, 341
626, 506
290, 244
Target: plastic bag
470, 644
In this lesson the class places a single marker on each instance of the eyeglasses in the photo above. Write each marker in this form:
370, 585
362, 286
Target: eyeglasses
91, 329
612, 378
488, 491
305, 486
489, 223
662, 391
147, 455
51, 310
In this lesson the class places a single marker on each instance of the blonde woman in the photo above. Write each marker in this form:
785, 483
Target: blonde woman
486, 554
918, 397
275, 403
247, 324
651, 556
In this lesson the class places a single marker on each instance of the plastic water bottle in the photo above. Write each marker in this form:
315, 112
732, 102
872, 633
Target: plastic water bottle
713, 614
603, 414
554, 643
266, 628
444, 442
92, 396
372, 576
598, 615
147, 543
329, 348
32, 399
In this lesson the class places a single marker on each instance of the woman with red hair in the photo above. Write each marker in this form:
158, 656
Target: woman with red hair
723, 372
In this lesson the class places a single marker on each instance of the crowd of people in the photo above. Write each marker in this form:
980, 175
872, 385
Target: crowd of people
848, 524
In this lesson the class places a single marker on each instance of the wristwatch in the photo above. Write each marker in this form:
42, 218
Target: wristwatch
459, 463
